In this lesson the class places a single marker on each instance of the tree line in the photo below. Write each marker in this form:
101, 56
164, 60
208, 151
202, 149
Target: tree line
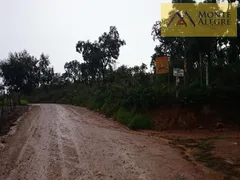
22, 72
124, 92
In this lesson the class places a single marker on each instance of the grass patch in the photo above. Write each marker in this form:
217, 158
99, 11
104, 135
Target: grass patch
123, 116
108, 109
133, 120
204, 155
140, 122
23, 102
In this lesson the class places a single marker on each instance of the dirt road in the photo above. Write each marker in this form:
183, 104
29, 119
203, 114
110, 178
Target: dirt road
63, 142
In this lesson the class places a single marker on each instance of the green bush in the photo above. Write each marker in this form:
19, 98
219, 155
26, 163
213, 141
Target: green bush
6, 103
23, 102
90, 104
3, 102
140, 122
123, 116
109, 109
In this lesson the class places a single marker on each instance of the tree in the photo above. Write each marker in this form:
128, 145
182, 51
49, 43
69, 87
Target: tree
102, 54
192, 49
46, 72
84, 72
58, 80
91, 55
72, 71
110, 44
20, 72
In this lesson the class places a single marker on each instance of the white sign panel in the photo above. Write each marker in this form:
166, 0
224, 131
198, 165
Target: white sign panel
178, 72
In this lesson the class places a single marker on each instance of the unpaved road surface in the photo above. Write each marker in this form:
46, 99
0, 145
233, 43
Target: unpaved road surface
63, 142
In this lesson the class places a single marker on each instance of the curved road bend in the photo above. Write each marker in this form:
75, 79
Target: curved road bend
58, 142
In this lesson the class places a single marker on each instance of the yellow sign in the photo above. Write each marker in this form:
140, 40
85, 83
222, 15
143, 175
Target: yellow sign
198, 19
162, 65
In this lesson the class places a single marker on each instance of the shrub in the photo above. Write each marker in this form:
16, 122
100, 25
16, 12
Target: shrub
140, 122
123, 116
109, 109
23, 102
90, 104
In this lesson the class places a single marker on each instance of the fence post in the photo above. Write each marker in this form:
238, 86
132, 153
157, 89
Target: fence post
2, 109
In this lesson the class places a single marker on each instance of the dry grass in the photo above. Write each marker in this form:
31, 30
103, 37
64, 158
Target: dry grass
200, 150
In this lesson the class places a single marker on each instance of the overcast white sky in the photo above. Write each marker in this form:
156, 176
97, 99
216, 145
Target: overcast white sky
55, 26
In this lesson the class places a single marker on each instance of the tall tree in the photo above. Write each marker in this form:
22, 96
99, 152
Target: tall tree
101, 54
91, 55
20, 72
72, 71
46, 72
110, 44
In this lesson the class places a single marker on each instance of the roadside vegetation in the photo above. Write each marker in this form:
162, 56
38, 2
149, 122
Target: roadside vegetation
201, 150
125, 93
129, 94
10, 111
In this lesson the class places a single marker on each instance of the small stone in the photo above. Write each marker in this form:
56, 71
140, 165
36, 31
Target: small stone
200, 126
1, 146
229, 162
219, 125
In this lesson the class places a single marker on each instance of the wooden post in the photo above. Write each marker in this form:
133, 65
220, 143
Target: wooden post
207, 77
169, 75
177, 81
2, 109
200, 62
185, 72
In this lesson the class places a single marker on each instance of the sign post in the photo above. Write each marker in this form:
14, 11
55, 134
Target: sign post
178, 73
185, 72
162, 65
169, 75
177, 81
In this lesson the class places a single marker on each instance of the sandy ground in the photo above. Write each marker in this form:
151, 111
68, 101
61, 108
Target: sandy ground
62, 142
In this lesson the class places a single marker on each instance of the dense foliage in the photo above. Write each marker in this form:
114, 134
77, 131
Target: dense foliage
127, 93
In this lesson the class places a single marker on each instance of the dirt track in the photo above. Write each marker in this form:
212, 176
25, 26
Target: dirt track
62, 142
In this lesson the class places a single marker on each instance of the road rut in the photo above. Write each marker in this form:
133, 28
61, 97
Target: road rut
63, 142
